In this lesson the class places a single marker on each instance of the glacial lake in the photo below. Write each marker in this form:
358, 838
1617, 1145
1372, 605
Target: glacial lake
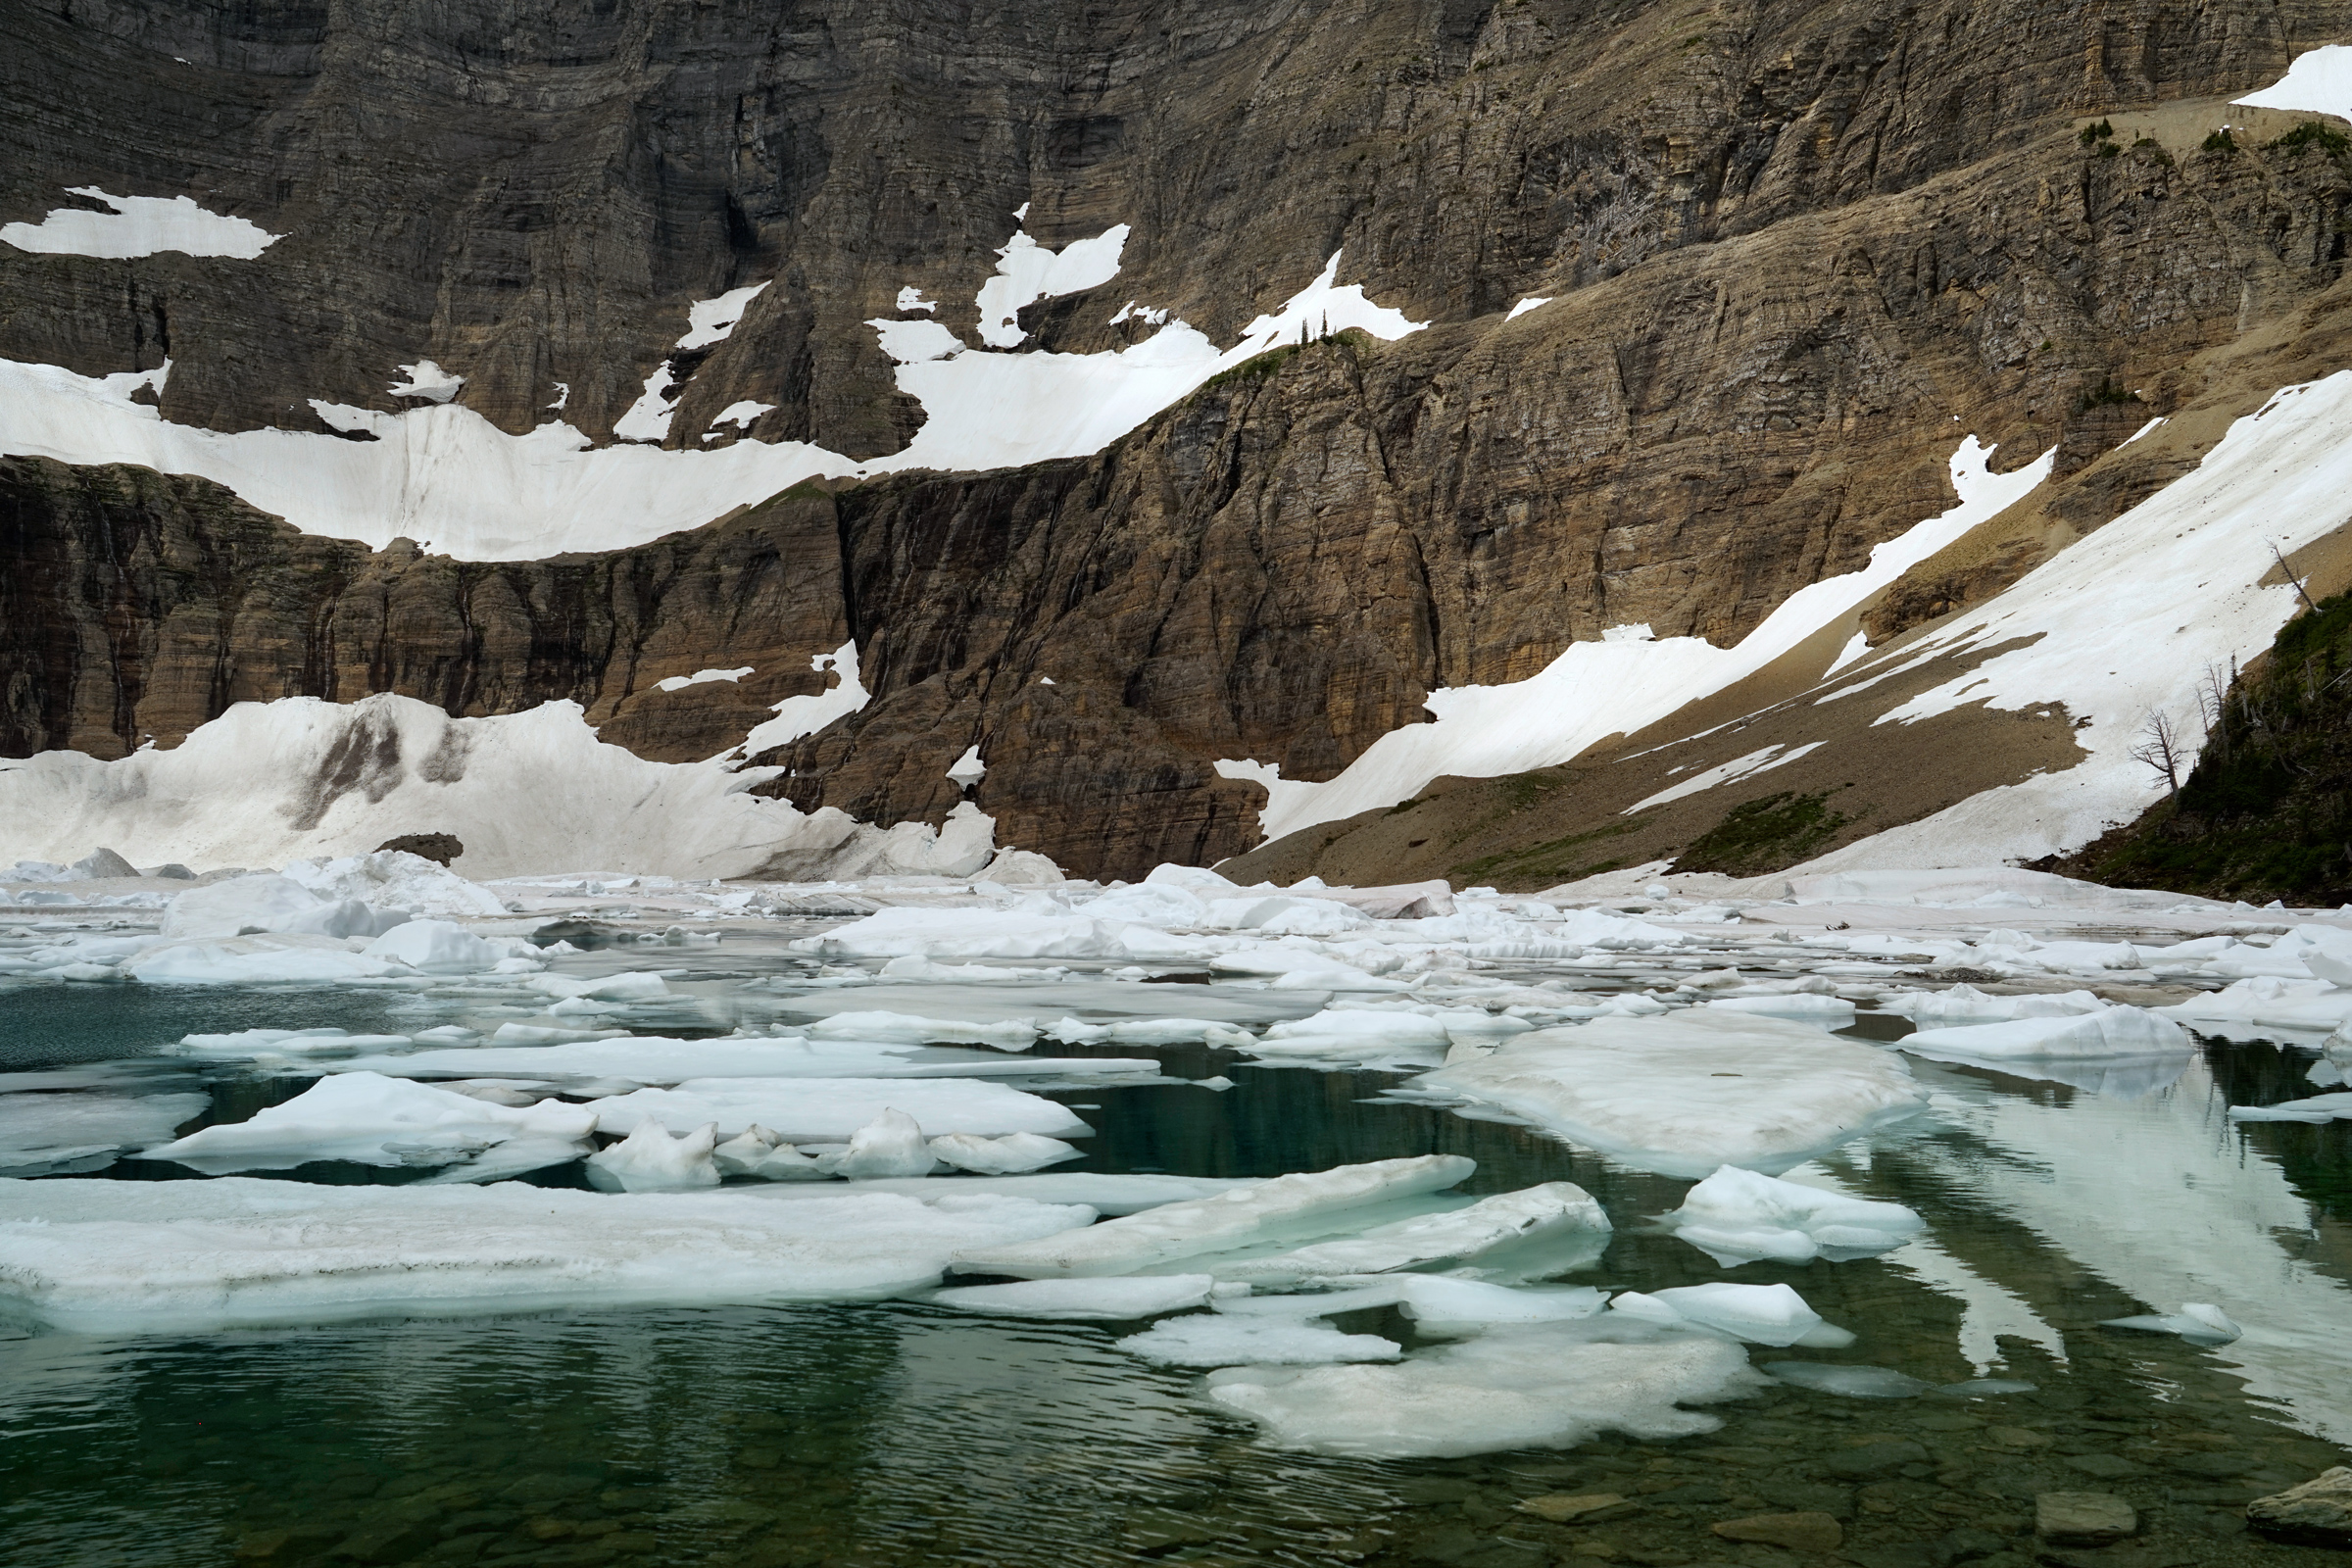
898, 1433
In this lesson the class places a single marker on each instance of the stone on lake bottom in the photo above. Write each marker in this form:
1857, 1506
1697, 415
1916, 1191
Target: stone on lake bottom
1561, 1506
1798, 1531
2318, 1512
2083, 1518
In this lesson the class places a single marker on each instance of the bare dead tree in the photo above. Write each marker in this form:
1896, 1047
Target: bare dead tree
2286, 571
2162, 748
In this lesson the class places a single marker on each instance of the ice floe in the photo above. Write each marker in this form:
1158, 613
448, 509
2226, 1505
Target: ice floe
152, 1256
1530, 1215
1231, 1220
820, 1109
1685, 1093
375, 1121
1212, 1340
1548, 1386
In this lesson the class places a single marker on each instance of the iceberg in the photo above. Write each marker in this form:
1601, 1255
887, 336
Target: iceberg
650, 1161
1688, 1092
100, 1257
1355, 1035
2198, 1322
1740, 1216
1761, 1314
891, 1145
900, 1028
1228, 1220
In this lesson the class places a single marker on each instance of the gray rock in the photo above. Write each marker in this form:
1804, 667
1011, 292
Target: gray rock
104, 865
174, 871
2083, 1518
441, 848
2318, 1512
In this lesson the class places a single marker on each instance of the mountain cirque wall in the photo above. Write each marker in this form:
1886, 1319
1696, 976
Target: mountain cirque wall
1798, 252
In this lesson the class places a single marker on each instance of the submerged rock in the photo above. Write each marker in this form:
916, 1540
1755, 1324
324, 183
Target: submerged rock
1798, 1532
2319, 1512
2083, 1518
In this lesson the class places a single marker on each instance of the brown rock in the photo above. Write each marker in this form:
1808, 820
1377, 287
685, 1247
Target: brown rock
1559, 1506
1798, 1531
2319, 1512
2083, 1518
440, 848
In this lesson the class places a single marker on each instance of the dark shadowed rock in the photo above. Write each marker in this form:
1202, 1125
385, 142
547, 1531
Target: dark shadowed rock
442, 847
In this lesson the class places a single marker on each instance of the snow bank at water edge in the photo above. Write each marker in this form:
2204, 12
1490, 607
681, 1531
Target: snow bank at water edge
261, 784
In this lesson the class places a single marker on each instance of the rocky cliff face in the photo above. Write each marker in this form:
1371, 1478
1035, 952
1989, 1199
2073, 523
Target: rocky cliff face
1796, 252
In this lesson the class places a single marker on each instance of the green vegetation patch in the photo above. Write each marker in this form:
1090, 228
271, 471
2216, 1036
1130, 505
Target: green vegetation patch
2315, 133
1764, 835
1542, 864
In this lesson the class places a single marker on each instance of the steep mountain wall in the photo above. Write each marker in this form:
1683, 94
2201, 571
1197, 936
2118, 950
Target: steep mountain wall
1795, 253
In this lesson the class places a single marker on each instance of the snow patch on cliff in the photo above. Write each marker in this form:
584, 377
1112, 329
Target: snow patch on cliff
2319, 80
1623, 684
139, 226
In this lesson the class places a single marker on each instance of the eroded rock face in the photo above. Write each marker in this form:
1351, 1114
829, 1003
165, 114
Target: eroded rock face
137, 605
1794, 255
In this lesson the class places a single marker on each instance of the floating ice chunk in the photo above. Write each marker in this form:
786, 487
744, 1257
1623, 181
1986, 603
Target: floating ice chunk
437, 947
1352, 1035
1854, 1381
1081, 1300
807, 1111
150, 1256
282, 1042
2312, 1110
1739, 1216
394, 879
2198, 1322
1216, 1224
42, 1133
980, 934
1212, 1340
1762, 1314
656, 1059
1685, 1093
254, 961
650, 1161
1013, 1033
756, 1152
634, 986
1010, 1156
1830, 1013
373, 1120
1152, 1032
1550, 1386
1965, 1004
1503, 1221
139, 226
1102, 1193
2109, 1032
1448, 1309
240, 906
891, 1145
819, 1111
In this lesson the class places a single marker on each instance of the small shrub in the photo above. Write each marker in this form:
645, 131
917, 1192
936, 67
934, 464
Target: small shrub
2218, 141
2108, 149
2315, 133
2105, 395
2092, 136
